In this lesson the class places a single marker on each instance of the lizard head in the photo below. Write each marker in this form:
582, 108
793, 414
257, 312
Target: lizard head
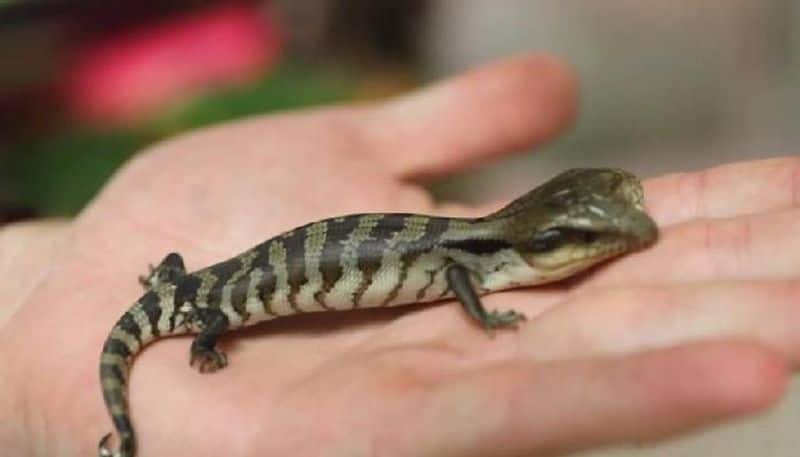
577, 219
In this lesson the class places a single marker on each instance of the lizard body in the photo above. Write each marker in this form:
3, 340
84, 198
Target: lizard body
577, 219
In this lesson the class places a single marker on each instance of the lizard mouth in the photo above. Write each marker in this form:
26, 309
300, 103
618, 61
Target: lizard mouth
639, 229
633, 231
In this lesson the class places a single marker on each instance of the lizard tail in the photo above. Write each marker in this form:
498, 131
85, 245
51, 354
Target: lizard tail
114, 367
127, 338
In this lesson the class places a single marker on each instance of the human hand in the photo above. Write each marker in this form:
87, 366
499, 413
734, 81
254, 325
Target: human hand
625, 353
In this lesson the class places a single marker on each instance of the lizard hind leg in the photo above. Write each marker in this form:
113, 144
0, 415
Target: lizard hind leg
168, 271
204, 355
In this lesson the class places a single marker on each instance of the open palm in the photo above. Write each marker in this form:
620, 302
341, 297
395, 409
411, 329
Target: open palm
624, 353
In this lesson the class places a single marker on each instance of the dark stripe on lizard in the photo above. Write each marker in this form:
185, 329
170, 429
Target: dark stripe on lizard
222, 272
434, 229
330, 266
185, 292
477, 246
118, 347
266, 285
431, 278
239, 297
370, 252
151, 305
112, 371
128, 324
294, 243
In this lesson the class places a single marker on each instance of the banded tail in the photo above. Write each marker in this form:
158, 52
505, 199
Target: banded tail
134, 330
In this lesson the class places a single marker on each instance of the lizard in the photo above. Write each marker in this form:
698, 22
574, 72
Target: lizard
572, 222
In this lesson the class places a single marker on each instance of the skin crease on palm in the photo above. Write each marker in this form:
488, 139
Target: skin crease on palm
703, 326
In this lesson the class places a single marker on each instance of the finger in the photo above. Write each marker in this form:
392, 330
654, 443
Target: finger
760, 246
615, 321
725, 191
521, 408
508, 106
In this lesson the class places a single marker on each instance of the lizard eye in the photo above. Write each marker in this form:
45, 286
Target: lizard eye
546, 240
551, 239
588, 236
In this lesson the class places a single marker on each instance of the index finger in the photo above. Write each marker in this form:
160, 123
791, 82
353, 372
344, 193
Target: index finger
725, 191
504, 107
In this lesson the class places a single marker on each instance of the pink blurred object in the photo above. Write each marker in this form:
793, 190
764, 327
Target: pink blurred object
131, 76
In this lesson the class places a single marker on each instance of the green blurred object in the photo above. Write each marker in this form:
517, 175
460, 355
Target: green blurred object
59, 174
290, 86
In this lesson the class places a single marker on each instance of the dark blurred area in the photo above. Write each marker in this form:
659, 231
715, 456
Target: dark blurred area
665, 86
85, 84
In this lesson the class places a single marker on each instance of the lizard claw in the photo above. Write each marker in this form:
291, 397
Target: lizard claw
504, 319
147, 280
207, 360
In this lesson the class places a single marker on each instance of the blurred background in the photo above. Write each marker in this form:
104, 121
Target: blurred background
666, 86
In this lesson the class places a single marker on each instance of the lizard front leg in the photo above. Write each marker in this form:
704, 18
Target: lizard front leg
459, 282
168, 271
204, 354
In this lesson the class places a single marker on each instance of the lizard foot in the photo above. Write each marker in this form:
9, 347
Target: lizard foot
503, 319
207, 360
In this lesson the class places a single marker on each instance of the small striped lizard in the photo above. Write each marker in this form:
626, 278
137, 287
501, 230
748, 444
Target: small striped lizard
575, 220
